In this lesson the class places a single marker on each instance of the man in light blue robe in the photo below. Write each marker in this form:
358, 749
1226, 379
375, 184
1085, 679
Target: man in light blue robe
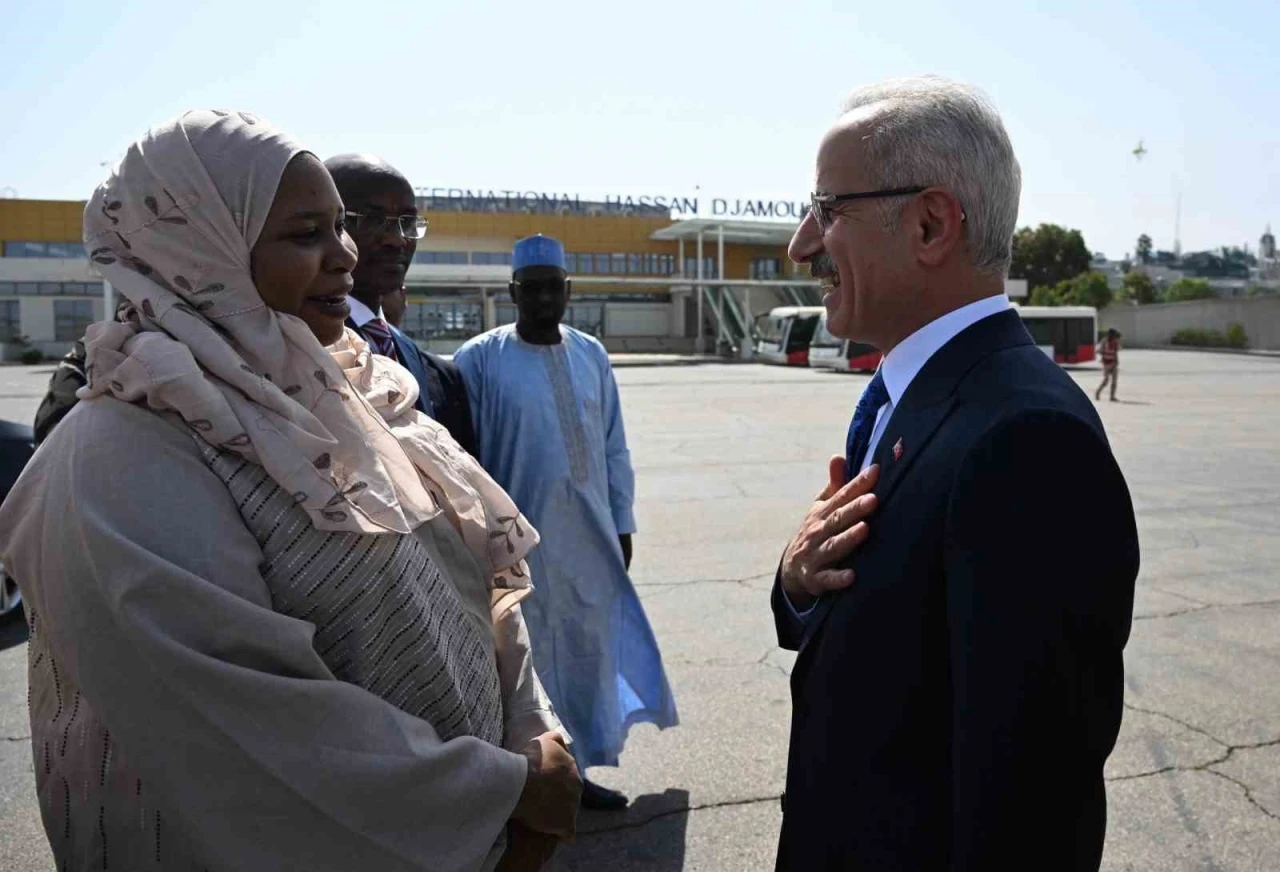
549, 424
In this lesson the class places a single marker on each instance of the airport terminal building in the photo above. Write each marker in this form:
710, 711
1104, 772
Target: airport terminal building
646, 270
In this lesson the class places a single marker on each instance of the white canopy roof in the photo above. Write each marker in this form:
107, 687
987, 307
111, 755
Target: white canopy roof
741, 232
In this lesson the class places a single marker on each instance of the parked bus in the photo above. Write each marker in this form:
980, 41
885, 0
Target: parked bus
785, 333
828, 352
1068, 334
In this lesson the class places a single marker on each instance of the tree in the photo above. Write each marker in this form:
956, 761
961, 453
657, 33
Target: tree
1139, 288
1144, 249
1045, 296
1048, 255
1189, 289
1086, 289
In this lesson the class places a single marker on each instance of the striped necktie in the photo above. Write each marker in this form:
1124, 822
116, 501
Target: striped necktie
864, 421
378, 334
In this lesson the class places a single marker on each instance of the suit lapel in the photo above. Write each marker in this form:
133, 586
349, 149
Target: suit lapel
928, 401
429, 387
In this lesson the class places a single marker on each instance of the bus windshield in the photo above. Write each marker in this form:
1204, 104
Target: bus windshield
822, 337
770, 328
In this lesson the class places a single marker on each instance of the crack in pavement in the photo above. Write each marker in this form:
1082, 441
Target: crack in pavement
764, 661
727, 661
1248, 792
739, 581
1227, 752
1204, 607
1176, 595
687, 809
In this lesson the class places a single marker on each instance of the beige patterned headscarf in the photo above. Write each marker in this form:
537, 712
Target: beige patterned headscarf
172, 229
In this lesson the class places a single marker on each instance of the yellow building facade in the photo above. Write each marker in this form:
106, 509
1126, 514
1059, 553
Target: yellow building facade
628, 263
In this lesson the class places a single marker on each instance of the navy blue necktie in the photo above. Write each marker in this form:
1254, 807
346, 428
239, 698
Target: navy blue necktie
864, 421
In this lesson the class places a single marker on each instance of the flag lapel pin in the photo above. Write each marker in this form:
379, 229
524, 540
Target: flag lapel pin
897, 450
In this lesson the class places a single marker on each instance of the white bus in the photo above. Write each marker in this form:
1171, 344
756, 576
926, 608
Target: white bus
829, 352
1068, 334
785, 333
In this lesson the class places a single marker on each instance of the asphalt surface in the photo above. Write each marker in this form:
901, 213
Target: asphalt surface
727, 458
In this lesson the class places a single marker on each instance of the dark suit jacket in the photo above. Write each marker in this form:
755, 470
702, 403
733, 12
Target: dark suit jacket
953, 709
60, 399
443, 395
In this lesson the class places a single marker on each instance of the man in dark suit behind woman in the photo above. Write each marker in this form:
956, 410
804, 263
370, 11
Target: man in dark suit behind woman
959, 606
383, 219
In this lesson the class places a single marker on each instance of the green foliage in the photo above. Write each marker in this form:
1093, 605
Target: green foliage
1048, 255
1138, 288
1198, 337
1045, 297
1189, 289
1086, 289
32, 356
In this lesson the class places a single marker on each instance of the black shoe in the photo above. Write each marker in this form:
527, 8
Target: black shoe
597, 798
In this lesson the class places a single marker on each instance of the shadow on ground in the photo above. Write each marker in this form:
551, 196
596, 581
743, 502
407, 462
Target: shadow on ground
649, 835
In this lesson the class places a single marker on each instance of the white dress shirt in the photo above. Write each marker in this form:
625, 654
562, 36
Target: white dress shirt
362, 314
901, 365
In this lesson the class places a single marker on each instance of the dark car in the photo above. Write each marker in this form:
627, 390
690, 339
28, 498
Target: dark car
17, 444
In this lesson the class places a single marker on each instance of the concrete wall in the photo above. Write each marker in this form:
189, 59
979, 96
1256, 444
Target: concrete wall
1155, 325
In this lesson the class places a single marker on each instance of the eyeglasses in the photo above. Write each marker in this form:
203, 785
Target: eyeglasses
411, 226
820, 204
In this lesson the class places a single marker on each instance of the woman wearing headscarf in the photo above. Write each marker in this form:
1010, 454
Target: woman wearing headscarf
274, 610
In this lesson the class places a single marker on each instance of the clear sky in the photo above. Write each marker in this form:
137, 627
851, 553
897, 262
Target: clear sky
721, 99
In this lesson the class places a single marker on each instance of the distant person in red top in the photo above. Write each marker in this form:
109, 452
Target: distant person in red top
1109, 351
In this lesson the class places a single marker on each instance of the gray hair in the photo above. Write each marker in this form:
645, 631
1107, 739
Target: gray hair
932, 131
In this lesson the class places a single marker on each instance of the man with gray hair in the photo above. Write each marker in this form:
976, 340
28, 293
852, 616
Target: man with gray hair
960, 678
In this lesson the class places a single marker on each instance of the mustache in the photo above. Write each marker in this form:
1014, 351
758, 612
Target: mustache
822, 267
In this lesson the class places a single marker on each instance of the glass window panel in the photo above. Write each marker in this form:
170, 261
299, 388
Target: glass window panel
10, 323
618, 264
570, 262
71, 318
8, 289
602, 263
28, 289
50, 288
635, 264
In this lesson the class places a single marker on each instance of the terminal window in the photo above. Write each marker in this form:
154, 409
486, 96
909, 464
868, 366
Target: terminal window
10, 322
708, 268
581, 263
68, 250
454, 258
442, 320
50, 289
491, 258
766, 268
71, 318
